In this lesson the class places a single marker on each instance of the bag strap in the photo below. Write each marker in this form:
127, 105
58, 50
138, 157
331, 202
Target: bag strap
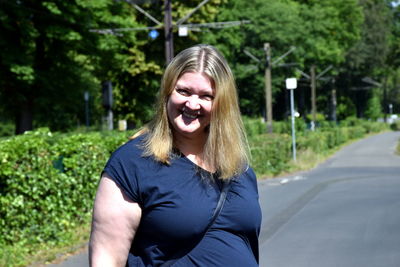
217, 211
220, 204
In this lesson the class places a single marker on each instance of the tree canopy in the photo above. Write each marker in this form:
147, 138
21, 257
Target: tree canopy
52, 51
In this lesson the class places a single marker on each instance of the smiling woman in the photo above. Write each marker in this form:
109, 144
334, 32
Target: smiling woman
161, 199
189, 106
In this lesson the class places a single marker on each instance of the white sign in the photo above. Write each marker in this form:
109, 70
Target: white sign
291, 83
122, 125
183, 31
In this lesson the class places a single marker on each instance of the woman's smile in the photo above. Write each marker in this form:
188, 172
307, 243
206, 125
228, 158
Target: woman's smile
190, 103
189, 114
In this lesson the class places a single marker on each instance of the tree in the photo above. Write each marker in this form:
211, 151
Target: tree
48, 61
367, 57
392, 74
374, 109
267, 18
322, 32
137, 83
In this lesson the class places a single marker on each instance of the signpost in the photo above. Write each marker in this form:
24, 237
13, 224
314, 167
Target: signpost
291, 84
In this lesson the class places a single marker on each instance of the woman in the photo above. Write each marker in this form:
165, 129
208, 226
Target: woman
158, 192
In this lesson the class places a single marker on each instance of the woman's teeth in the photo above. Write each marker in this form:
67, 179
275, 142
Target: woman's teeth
189, 115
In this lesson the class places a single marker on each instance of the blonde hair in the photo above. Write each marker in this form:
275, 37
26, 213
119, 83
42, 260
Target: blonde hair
226, 148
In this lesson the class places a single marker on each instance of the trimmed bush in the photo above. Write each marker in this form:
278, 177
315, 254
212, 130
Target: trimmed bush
254, 126
6, 128
270, 153
285, 127
395, 126
48, 182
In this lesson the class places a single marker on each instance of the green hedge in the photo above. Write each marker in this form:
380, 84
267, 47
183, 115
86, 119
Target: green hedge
270, 153
395, 126
48, 182
7, 128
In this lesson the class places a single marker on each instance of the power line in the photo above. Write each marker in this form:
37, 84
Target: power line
213, 25
168, 25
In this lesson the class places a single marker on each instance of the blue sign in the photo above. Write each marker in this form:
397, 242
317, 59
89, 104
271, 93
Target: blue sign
153, 34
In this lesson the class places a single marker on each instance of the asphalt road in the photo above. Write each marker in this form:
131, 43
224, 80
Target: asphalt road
346, 212
343, 213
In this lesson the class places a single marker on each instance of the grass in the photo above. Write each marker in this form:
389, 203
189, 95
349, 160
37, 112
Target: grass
398, 148
305, 160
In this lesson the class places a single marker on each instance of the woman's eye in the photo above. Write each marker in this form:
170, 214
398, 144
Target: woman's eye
208, 97
183, 92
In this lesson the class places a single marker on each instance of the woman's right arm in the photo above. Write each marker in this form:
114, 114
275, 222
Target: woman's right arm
114, 224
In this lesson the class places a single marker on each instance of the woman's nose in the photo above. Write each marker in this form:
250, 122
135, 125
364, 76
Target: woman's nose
193, 103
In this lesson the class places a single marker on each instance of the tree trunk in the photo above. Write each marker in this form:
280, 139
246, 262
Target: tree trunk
24, 117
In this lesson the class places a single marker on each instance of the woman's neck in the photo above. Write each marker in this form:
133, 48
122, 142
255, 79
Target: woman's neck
193, 149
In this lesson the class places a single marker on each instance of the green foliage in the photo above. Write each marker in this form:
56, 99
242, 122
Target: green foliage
398, 148
321, 31
48, 181
345, 108
270, 153
331, 27
254, 126
6, 129
51, 55
395, 126
374, 108
371, 50
369, 57
285, 127
319, 118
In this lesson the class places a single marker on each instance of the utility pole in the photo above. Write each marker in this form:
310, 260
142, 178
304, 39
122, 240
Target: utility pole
169, 40
313, 80
268, 87
168, 25
268, 80
313, 98
333, 102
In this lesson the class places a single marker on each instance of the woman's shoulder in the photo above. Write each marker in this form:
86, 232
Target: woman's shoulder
248, 176
130, 150
249, 172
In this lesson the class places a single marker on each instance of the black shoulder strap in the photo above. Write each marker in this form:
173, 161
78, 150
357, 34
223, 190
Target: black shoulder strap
221, 201
220, 204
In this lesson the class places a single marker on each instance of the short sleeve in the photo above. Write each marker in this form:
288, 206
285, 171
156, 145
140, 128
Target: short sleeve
250, 172
122, 168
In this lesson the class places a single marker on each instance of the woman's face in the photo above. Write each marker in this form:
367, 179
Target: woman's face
189, 105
